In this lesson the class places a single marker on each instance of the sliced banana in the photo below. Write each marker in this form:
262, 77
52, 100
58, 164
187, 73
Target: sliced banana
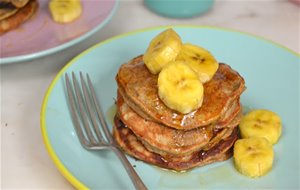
200, 60
261, 123
253, 157
179, 87
162, 49
65, 11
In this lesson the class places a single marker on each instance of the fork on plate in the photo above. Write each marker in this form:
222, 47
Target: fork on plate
88, 119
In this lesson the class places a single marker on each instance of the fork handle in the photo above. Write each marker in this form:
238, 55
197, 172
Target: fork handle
138, 183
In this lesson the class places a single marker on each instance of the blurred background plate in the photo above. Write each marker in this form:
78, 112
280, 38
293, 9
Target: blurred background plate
41, 36
271, 73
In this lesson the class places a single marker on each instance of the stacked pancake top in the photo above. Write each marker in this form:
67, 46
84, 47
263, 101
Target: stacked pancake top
148, 130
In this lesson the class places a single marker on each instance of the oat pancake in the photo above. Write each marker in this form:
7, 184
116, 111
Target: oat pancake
139, 87
165, 140
23, 14
218, 135
132, 146
15, 3
6, 10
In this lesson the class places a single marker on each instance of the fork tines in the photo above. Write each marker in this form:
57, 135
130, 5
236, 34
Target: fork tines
88, 117
86, 113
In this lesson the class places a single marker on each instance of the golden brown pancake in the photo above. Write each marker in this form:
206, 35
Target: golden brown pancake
22, 15
15, 3
139, 89
150, 131
165, 140
19, 3
132, 146
7, 12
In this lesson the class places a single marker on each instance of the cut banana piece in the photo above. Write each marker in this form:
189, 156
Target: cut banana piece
253, 157
200, 60
261, 123
179, 87
162, 49
65, 11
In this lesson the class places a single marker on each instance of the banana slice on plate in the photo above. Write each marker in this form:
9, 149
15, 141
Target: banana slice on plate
200, 60
162, 49
253, 157
179, 87
65, 11
261, 123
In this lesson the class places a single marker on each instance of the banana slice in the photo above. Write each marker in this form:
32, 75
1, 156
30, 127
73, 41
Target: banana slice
253, 157
200, 60
65, 11
179, 87
261, 123
162, 49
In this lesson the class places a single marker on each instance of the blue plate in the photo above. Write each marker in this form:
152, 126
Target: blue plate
271, 73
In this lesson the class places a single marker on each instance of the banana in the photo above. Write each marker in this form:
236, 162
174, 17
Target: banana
261, 123
162, 49
179, 87
200, 60
65, 11
253, 157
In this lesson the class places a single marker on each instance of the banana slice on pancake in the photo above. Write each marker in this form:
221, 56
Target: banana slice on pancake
200, 60
162, 49
179, 87
65, 11
261, 123
253, 157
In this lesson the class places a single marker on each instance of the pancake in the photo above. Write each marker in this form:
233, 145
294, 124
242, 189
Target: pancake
139, 89
132, 146
15, 3
5, 13
165, 140
22, 15
6, 10
19, 3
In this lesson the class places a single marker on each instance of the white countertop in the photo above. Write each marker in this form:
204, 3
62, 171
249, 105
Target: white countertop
25, 163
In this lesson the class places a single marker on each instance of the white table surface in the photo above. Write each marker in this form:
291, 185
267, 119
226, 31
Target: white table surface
25, 163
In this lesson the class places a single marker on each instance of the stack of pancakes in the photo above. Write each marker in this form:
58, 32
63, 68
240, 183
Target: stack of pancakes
15, 12
148, 130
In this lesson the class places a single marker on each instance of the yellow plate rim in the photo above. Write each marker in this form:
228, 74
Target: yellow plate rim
64, 171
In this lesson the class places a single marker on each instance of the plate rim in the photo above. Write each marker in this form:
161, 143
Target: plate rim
63, 170
39, 54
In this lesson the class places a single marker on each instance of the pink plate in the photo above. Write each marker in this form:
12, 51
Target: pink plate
41, 36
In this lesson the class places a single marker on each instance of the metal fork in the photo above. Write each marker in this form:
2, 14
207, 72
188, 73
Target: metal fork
87, 117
